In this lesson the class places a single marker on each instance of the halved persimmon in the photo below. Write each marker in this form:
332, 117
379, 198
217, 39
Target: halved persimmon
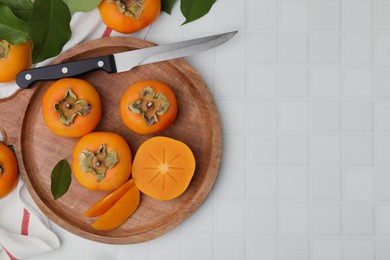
163, 167
148, 107
105, 203
120, 211
8, 170
102, 161
71, 107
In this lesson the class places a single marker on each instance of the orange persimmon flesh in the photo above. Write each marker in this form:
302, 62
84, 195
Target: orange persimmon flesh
120, 211
163, 167
105, 203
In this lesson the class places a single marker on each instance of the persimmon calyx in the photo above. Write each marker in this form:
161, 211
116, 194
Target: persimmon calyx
131, 8
4, 49
150, 105
99, 162
69, 107
1, 169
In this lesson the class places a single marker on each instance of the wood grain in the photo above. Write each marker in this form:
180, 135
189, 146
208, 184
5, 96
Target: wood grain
38, 150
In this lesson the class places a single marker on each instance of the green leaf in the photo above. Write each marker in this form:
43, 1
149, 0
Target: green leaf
49, 28
167, 5
195, 9
82, 5
12, 29
21, 8
60, 178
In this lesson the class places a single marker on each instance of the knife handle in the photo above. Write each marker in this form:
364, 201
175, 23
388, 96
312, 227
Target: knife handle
65, 70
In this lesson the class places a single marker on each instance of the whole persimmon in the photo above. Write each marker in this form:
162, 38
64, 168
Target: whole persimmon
8, 170
128, 16
71, 107
148, 106
102, 161
13, 59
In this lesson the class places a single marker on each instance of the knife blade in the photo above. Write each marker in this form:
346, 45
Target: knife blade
123, 61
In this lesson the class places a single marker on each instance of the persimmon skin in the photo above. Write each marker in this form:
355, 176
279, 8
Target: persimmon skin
9, 177
136, 122
82, 124
163, 167
18, 59
121, 23
117, 175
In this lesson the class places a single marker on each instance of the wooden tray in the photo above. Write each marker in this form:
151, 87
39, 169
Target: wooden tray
38, 150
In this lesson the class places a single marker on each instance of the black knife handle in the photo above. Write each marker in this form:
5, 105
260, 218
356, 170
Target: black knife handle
65, 70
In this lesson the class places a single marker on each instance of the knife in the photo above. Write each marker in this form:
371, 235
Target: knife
122, 61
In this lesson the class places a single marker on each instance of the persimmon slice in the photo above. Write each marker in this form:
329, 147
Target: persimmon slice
163, 167
120, 212
105, 203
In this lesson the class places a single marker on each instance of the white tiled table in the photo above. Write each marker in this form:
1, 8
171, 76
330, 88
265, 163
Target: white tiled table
304, 97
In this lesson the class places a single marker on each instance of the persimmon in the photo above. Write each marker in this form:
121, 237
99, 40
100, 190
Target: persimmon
128, 16
13, 59
105, 203
8, 170
148, 106
102, 161
71, 107
163, 167
120, 211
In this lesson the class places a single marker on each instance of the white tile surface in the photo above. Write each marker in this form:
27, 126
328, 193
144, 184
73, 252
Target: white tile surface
262, 184
358, 185
326, 184
262, 219
358, 81
381, 185
262, 47
294, 82
293, 150
357, 15
358, 150
325, 82
293, 184
262, 249
325, 116
383, 212
325, 249
262, 115
326, 219
293, 219
294, 249
361, 249
261, 81
303, 93
325, 15
261, 14
262, 149
230, 248
358, 219
293, 116
325, 48
358, 48
293, 48
293, 15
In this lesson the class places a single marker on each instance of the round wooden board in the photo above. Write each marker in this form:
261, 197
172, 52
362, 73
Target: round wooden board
197, 124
